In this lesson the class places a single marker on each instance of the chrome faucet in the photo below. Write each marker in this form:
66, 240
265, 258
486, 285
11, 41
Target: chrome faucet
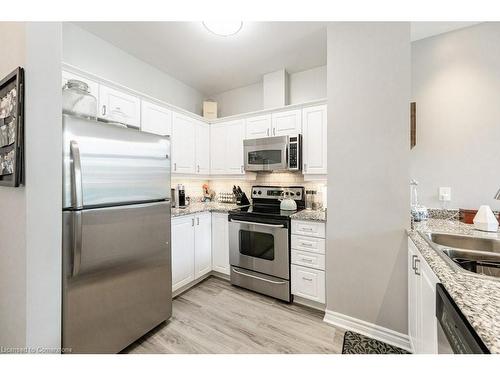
497, 195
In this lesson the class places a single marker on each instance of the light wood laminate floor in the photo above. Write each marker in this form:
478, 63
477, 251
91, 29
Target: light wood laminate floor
216, 317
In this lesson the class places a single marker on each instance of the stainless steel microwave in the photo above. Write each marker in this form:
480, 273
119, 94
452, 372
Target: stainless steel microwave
282, 153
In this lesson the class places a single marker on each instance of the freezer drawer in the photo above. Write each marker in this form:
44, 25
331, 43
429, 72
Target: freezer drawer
106, 164
116, 275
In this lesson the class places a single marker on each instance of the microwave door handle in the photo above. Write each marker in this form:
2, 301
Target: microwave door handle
76, 176
260, 224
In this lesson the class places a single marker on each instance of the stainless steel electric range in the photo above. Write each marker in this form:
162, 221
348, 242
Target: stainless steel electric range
259, 242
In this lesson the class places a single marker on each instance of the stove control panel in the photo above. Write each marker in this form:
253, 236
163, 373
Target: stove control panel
275, 192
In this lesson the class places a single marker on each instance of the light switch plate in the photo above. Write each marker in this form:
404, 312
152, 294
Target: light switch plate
445, 194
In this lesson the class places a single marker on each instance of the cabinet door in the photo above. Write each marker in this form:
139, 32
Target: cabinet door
155, 119
428, 332
308, 283
218, 135
182, 251
234, 147
202, 148
287, 123
93, 86
314, 130
203, 244
258, 127
183, 144
220, 243
118, 106
413, 299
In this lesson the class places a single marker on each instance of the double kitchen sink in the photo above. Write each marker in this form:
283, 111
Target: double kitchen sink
467, 254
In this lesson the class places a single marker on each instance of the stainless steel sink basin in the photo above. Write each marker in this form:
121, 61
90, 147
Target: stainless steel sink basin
468, 254
466, 242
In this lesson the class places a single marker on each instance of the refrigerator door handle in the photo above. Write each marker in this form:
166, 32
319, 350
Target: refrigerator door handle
77, 241
76, 176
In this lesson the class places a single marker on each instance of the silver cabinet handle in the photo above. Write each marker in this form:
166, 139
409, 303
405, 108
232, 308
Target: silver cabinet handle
307, 260
198, 168
274, 131
413, 259
259, 224
104, 110
258, 278
305, 229
76, 175
197, 221
306, 279
192, 222
77, 241
417, 271
175, 166
305, 167
268, 132
242, 171
306, 244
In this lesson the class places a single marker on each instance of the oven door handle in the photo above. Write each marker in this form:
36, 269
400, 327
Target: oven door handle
260, 224
258, 278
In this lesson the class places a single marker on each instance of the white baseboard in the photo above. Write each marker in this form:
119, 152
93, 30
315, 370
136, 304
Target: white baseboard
368, 329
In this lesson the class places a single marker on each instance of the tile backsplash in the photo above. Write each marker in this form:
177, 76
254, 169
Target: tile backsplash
194, 187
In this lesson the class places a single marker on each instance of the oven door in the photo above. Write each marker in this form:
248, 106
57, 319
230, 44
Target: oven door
266, 154
260, 247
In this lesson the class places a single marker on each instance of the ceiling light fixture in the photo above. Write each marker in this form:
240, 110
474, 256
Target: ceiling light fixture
227, 28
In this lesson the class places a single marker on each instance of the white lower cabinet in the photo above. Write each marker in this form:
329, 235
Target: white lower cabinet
308, 260
422, 322
308, 283
182, 251
220, 243
191, 248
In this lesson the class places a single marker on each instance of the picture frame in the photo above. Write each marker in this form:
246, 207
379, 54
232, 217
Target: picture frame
12, 129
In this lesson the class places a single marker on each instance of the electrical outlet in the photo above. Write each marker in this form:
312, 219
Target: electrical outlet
445, 194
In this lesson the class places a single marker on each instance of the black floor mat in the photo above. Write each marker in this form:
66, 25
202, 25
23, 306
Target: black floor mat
355, 343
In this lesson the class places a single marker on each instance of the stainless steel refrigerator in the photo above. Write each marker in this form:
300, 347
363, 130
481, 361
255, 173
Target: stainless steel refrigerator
117, 282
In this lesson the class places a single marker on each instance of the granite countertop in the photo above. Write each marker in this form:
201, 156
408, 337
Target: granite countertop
203, 207
311, 215
478, 298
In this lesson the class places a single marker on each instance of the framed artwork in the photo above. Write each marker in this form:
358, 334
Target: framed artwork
12, 129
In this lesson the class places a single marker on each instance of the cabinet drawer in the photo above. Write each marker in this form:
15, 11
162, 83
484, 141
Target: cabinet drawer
305, 243
307, 259
308, 283
308, 228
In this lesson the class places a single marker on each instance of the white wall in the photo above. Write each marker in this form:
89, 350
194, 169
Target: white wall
12, 217
30, 216
368, 197
304, 86
456, 84
43, 184
91, 53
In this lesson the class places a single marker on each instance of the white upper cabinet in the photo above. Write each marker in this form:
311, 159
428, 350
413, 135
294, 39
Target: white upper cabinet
226, 147
314, 131
287, 123
258, 127
234, 147
155, 119
202, 148
118, 106
218, 140
93, 86
183, 144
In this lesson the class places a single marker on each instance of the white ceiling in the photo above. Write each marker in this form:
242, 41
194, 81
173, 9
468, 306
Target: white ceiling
213, 64
421, 30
